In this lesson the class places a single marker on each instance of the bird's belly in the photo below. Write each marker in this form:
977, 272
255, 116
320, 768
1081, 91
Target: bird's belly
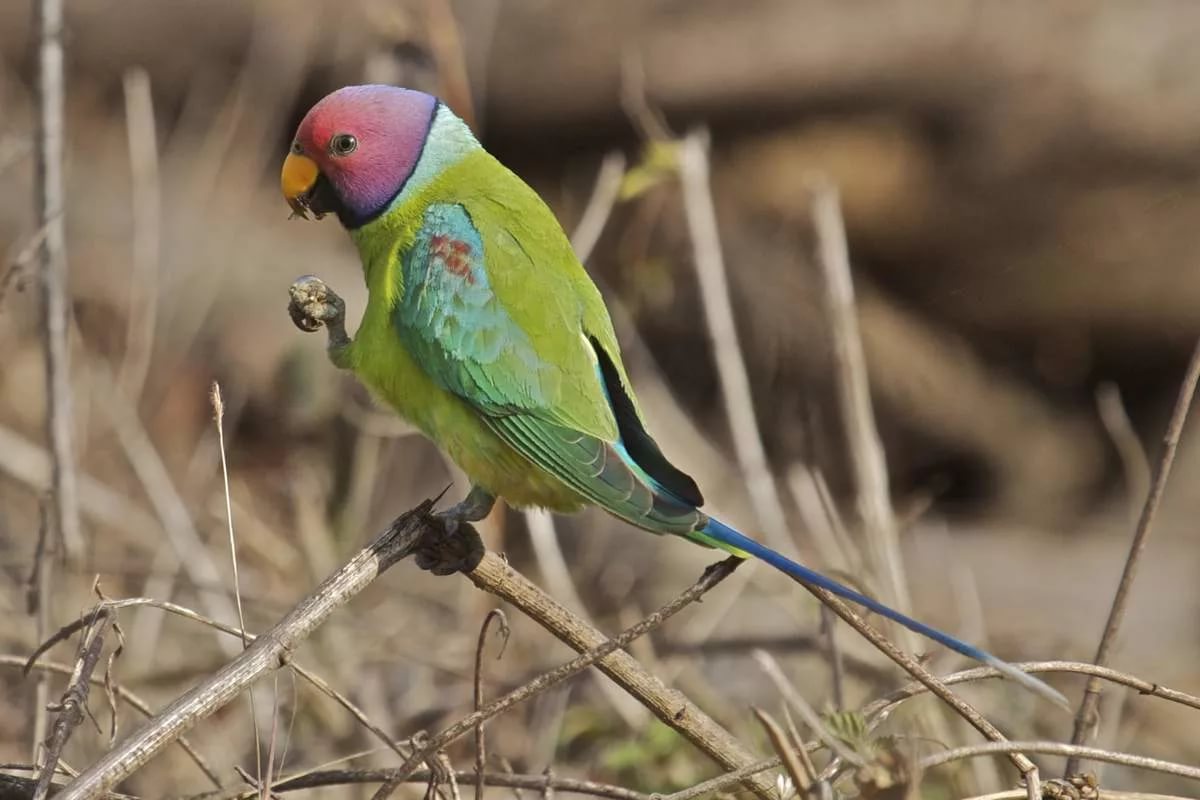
387, 368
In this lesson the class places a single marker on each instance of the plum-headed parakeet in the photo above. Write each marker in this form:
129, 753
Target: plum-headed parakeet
484, 330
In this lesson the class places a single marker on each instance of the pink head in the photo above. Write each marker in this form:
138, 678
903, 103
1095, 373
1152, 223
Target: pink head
354, 151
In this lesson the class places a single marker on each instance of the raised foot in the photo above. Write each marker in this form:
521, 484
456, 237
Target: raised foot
313, 304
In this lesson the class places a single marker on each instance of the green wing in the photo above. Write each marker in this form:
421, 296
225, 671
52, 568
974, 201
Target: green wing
500, 313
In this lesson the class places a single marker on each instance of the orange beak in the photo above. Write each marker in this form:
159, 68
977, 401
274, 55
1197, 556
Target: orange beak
297, 180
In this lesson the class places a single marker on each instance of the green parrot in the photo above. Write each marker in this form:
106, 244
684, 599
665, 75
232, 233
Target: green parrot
485, 332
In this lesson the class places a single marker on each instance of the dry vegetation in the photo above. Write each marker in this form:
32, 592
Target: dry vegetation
1017, 183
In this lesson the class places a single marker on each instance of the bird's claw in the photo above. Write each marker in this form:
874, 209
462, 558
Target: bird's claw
313, 304
452, 545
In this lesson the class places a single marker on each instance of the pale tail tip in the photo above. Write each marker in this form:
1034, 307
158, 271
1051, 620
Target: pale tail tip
1033, 684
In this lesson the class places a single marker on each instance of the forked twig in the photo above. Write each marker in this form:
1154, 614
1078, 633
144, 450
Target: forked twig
74, 703
1086, 719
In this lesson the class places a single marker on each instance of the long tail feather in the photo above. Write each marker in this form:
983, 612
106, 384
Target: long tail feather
728, 538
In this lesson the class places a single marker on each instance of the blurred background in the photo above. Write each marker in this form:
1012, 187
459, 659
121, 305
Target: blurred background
1019, 182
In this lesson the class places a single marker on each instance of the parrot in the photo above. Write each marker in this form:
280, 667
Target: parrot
483, 330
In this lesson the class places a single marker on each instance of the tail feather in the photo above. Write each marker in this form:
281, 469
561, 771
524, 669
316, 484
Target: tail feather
716, 533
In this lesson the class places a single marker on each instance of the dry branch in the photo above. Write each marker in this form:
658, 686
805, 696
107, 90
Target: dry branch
494, 575
1086, 719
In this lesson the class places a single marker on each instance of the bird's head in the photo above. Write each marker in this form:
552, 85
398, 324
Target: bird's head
355, 150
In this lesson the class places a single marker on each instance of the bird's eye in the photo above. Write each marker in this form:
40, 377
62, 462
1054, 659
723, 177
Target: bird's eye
296, 148
343, 144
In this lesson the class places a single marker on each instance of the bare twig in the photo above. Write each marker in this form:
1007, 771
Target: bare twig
858, 418
480, 753
494, 575
718, 313
1086, 720
55, 303
1060, 749
269, 651
73, 706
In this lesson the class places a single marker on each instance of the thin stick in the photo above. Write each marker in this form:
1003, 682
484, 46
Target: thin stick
718, 313
1086, 719
505, 631
1060, 749
270, 651
494, 575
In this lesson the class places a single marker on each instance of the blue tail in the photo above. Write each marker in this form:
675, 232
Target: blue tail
721, 535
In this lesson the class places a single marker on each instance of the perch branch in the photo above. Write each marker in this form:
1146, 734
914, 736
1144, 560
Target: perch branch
494, 575
1086, 720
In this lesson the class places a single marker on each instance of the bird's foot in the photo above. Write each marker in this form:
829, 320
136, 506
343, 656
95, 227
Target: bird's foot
453, 544
312, 304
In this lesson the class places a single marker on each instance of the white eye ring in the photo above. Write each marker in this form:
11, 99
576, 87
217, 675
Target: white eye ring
343, 144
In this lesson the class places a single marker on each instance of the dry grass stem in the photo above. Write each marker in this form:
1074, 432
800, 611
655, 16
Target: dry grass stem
1086, 720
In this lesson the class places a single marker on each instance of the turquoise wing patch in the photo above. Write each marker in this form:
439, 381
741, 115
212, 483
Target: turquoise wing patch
452, 322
